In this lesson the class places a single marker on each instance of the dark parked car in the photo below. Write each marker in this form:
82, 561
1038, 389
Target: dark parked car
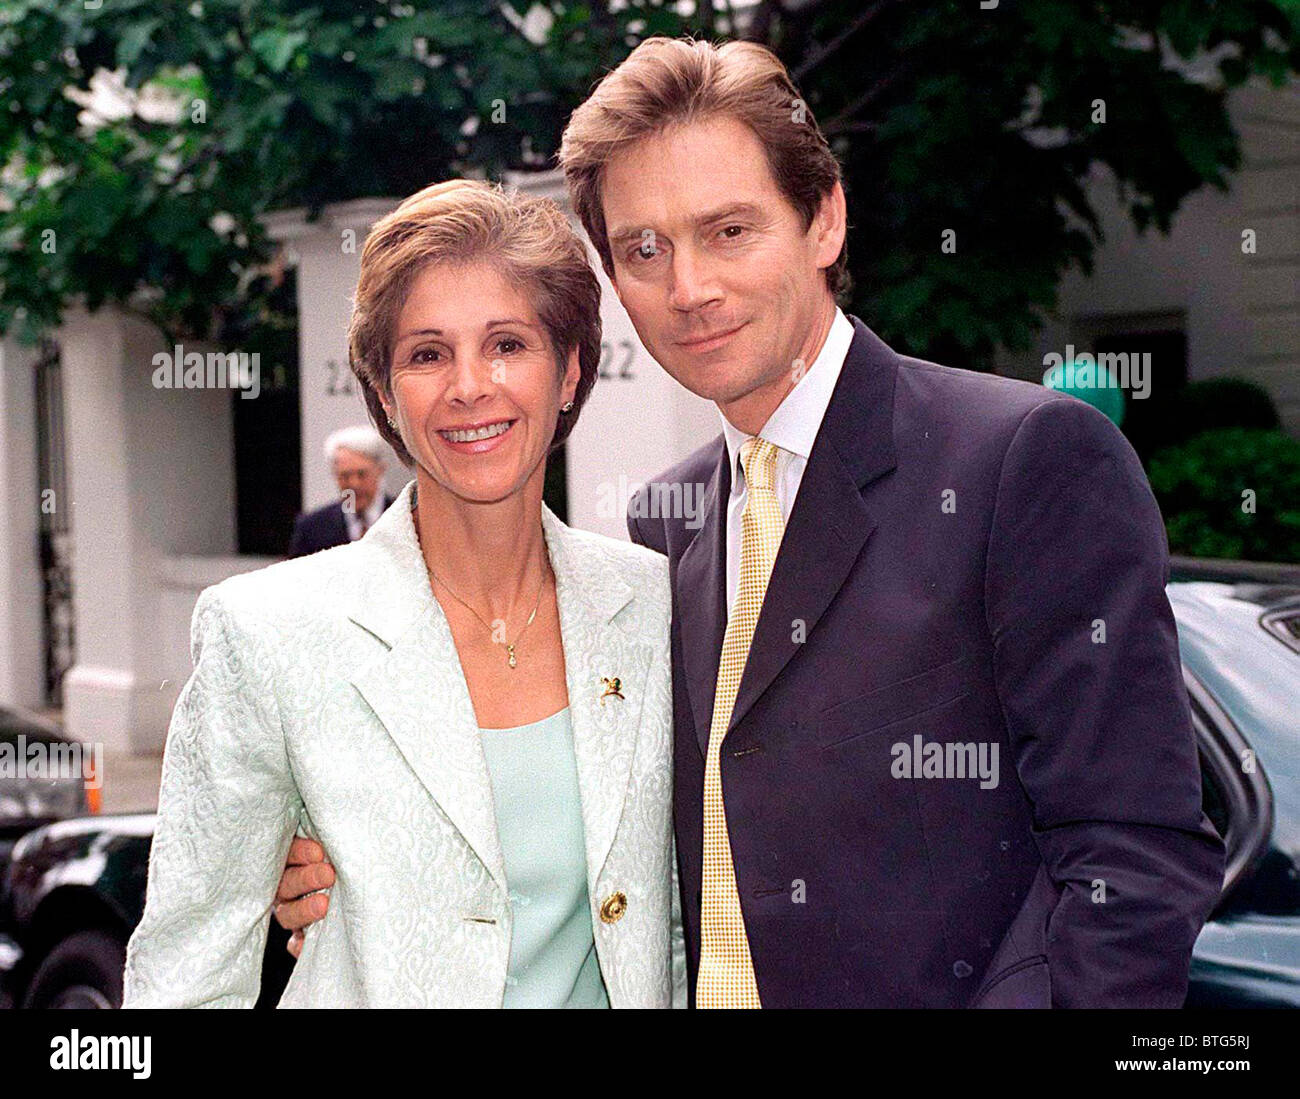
1240, 644
74, 894
32, 795
29, 798
76, 888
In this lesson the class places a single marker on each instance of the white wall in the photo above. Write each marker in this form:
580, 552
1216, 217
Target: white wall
180, 579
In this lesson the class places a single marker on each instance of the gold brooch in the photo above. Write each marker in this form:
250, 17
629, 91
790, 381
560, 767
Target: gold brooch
611, 688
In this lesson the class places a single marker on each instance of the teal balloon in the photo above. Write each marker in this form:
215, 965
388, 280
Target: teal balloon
1089, 382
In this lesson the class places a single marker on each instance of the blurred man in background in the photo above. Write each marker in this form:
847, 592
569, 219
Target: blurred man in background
356, 456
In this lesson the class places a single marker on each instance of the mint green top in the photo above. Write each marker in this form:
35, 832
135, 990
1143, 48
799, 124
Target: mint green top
539, 820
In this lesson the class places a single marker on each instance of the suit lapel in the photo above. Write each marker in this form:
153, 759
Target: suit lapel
590, 591
829, 524
417, 689
701, 606
826, 532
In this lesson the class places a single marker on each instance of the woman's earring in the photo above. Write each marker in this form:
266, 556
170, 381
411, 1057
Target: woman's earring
567, 406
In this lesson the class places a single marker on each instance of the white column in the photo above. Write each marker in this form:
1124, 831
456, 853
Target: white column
150, 475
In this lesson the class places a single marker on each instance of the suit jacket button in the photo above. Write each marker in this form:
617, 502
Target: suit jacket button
613, 908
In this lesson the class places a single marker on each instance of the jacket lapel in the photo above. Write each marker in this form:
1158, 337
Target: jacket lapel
590, 591
830, 523
701, 600
434, 725
416, 688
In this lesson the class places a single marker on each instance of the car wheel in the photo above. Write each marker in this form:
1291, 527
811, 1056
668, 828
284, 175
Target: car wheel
83, 971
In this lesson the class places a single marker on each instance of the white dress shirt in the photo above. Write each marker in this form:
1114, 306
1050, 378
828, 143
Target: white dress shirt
372, 513
793, 427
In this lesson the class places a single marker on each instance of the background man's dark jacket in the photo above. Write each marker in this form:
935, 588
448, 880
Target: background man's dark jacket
321, 529
956, 546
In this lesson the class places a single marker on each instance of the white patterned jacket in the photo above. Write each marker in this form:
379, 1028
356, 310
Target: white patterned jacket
327, 698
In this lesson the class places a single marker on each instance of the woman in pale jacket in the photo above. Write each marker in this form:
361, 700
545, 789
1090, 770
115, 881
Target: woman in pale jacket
469, 707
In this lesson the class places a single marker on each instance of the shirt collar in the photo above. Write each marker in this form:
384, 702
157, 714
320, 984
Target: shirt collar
797, 419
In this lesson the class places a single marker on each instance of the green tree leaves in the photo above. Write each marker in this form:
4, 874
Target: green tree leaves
950, 117
273, 104
946, 116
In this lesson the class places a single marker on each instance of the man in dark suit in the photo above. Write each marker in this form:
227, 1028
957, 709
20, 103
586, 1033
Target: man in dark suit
356, 458
1031, 618
952, 757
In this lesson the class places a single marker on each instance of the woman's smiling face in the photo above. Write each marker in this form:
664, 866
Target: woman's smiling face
476, 391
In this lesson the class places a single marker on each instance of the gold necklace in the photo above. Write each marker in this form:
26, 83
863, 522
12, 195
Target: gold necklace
511, 659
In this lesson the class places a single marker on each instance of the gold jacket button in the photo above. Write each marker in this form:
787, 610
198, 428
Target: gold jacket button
614, 907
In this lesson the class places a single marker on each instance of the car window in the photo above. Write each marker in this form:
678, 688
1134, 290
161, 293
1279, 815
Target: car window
1284, 625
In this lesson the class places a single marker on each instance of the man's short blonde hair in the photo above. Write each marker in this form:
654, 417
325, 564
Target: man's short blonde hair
527, 239
665, 81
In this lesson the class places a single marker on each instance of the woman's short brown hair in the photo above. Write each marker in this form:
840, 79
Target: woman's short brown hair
670, 80
528, 239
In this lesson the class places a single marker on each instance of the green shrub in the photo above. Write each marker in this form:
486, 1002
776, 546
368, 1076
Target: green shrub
1172, 417
1226, 402
1201, 487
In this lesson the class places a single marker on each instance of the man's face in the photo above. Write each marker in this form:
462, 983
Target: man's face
722, 282
358, 474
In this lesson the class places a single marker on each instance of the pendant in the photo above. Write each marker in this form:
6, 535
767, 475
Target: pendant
510, 649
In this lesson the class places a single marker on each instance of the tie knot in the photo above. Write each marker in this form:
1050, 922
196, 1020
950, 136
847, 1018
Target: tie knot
758, 456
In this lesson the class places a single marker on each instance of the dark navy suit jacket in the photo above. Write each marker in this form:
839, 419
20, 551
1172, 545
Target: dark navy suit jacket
957, 547
321, 529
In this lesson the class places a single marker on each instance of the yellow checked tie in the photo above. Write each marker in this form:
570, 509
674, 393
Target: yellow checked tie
726, 977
